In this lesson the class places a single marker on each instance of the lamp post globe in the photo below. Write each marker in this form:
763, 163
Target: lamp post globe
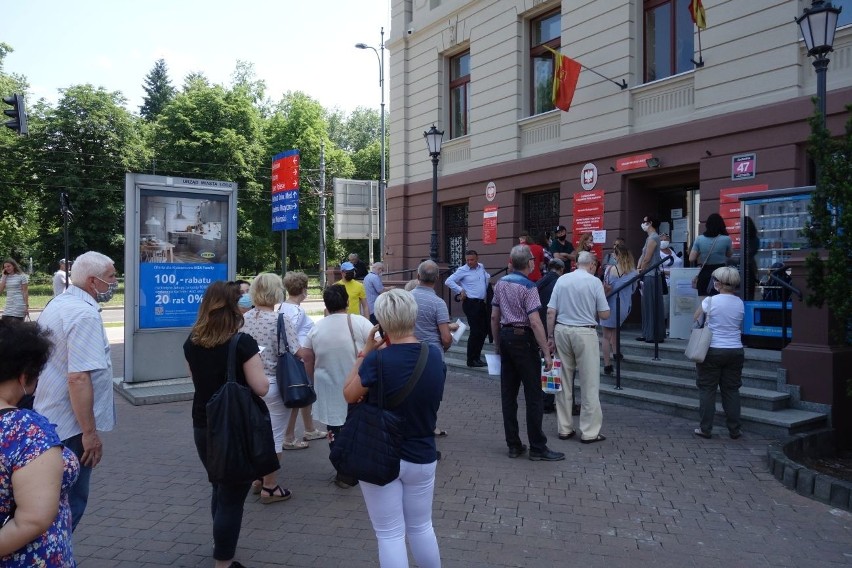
818, 24
434, 138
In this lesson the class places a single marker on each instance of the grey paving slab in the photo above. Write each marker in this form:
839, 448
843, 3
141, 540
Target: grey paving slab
651, 494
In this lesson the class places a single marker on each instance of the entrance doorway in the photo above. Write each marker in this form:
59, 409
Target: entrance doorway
677, 210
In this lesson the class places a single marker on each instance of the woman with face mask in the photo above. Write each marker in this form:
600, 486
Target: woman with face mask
653, 322
36, 471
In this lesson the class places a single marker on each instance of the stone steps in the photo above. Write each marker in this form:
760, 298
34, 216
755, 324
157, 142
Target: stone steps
667, 385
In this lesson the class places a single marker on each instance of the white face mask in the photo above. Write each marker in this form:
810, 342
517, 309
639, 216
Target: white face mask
664, 244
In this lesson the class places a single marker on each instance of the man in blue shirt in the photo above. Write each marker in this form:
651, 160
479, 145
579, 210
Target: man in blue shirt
470, 284
374, 286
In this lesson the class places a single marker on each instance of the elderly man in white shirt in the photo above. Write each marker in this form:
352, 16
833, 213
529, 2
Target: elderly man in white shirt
75, 389
577, 303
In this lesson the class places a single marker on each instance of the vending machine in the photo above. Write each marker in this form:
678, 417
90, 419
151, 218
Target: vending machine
773, 224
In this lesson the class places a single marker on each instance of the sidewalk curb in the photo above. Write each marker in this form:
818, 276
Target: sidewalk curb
804, 481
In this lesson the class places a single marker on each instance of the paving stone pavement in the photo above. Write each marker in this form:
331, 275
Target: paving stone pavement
651, 494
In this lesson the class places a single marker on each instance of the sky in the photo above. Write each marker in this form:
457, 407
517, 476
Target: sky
294, 45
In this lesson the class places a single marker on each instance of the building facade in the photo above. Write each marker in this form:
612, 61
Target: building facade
663, 118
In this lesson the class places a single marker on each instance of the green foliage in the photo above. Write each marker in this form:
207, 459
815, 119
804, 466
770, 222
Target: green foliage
84, 146
86, 143
18, 222
830, 279
158, 91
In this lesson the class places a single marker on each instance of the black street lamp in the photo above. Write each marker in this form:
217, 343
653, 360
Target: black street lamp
434, 138
818, 24
382, 178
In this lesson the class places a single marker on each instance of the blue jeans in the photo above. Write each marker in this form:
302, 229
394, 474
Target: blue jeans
78, 494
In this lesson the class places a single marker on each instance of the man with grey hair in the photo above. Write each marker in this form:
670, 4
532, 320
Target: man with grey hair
373, 286
75, 388
578, 300
433, 318
520, 334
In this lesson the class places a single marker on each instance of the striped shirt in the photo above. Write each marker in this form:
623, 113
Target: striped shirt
80, 345
431, 312
517, 297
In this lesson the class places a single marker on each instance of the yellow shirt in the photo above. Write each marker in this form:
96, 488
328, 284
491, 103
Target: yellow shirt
356, 292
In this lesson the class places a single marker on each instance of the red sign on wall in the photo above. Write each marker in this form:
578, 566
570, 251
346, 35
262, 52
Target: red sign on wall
632, 162
489, 225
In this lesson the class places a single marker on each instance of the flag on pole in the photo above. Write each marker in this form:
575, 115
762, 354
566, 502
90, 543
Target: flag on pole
696, 10
566, 73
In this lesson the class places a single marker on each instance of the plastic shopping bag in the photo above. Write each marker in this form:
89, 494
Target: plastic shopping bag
551, 381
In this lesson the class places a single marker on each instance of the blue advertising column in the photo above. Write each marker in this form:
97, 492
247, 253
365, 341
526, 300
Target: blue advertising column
181, 237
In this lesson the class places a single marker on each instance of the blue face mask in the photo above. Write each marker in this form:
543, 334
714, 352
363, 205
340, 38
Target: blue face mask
245, 301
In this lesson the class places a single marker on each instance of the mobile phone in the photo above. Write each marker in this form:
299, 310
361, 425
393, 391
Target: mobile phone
381, 332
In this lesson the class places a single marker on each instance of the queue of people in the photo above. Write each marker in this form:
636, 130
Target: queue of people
345, 355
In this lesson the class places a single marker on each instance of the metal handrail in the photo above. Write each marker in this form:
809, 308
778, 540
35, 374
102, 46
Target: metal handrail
785, 297
786, 285
666, 259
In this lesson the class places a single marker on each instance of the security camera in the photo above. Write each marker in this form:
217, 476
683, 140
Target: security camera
409, 31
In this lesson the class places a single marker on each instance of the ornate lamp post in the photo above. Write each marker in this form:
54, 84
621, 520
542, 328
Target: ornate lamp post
382, 178
818, 24
434, 137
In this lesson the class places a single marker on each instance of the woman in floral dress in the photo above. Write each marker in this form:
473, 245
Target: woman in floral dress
35, 470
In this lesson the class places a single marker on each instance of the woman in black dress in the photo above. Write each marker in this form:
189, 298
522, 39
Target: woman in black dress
206, 352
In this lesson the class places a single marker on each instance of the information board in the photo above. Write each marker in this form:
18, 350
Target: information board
285, 191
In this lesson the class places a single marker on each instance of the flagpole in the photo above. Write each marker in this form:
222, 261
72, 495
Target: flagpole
700, 62
622, 85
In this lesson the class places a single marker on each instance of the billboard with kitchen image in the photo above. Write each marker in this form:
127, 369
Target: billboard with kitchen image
183, 247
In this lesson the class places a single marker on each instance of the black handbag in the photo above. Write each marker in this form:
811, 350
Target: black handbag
293, 384
367, 448
240, 445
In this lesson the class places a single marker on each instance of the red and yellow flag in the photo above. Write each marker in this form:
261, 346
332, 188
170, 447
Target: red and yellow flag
696, 10
566, 73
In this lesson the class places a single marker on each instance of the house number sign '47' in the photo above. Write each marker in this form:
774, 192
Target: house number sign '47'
743, 166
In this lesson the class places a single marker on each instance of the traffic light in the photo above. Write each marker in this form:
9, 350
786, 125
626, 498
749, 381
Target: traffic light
18, 112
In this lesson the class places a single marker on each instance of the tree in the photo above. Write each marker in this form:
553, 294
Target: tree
211, 132
84, 146
158, 91
18, 219
299, 122
830, 280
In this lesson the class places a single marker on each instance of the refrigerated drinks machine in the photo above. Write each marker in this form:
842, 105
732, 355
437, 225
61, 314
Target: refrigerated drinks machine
773, 224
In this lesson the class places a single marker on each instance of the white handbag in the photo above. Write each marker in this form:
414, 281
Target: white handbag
699, 338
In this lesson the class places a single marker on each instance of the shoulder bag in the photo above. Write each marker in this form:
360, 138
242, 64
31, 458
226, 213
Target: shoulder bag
240, 445
706, 258
368, 446
293, 384
699, 338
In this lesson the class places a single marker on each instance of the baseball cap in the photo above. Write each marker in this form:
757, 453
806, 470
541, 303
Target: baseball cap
347, 266
559, 228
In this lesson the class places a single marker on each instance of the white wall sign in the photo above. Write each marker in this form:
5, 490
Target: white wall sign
490, 191
589, 177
